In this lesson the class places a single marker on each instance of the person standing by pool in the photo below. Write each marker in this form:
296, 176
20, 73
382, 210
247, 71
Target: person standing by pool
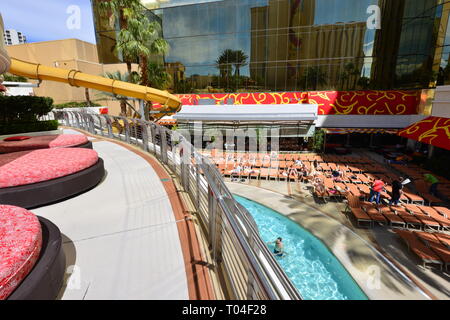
433, 181
375, 192
279, 248
397, 191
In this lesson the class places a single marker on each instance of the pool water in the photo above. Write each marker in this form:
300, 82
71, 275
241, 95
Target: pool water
312, 268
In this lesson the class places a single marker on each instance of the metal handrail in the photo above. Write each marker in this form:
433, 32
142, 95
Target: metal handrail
250, 269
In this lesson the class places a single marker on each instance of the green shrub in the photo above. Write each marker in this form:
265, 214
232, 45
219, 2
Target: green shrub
319, 140
13, 78
24, 127
23, 108
75, 105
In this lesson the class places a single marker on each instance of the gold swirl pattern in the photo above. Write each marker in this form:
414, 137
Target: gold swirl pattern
433, 130
370, 102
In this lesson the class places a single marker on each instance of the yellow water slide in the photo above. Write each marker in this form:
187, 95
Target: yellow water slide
170, 103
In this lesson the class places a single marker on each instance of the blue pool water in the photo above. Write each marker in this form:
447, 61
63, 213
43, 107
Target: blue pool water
312, 268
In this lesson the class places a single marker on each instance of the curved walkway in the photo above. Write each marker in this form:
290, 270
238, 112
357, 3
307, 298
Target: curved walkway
362, 261
126, 238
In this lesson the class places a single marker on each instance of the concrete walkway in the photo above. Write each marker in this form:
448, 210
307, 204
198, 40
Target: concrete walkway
122, 235
361, 260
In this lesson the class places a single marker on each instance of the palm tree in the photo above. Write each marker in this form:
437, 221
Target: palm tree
126, 77
156, 47
225, 63
313, 78
227, 59
138, 37
350, 72
239, 60
124, 11
157, 76
353, 72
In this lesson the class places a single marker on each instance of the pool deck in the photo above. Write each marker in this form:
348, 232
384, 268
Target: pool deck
358, 256
125, 236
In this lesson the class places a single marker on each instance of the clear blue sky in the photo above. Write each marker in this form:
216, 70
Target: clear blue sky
43, 20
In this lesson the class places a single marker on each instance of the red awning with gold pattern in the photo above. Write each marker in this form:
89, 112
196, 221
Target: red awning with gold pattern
432, 130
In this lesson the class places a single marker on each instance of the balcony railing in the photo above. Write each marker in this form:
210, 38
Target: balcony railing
248, 267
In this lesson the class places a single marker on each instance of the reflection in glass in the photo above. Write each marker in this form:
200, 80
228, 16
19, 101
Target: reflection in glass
295, 45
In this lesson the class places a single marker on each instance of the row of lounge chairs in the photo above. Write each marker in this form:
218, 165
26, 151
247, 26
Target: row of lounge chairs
291, 157
416, 173
360, 187
432, 249
408, 216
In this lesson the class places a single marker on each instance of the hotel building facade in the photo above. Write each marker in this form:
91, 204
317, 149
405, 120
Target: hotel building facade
363, 63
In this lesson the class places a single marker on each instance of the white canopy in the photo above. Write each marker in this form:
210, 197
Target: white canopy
367, 121
285, 112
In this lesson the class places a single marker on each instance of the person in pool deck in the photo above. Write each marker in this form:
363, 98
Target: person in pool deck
433, 181
397, 190
279, 249
375, 191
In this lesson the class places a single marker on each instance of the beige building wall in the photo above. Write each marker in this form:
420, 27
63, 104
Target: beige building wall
69, 54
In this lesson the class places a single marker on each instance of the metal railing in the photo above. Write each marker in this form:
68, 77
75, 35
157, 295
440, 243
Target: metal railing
248, 268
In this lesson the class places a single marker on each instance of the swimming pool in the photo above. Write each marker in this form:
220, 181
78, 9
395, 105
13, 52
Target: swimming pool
312, 268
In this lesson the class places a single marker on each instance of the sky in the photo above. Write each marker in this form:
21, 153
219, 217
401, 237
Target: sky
44, 20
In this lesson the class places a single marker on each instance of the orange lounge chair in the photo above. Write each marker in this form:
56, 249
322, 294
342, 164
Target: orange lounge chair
444, 238
412, 208
443, 211
428, 222
341, 189
425, 254
275, 164
395, 221
221, 168
254, 174
355, 207
423, 190
332, 166
411, 221
281, 176
289, 157
361, 178
354, 169
375, 215
433, 242
329, 183
354, 190
365, 190
289, 164
244, 174
413, 198
428, 238
228, 170
264, 174
282, 164
443, 253
324, 196
443, 221
265, 163
274, 174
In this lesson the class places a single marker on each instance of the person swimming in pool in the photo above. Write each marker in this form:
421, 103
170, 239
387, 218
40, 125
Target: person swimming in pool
278, 251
